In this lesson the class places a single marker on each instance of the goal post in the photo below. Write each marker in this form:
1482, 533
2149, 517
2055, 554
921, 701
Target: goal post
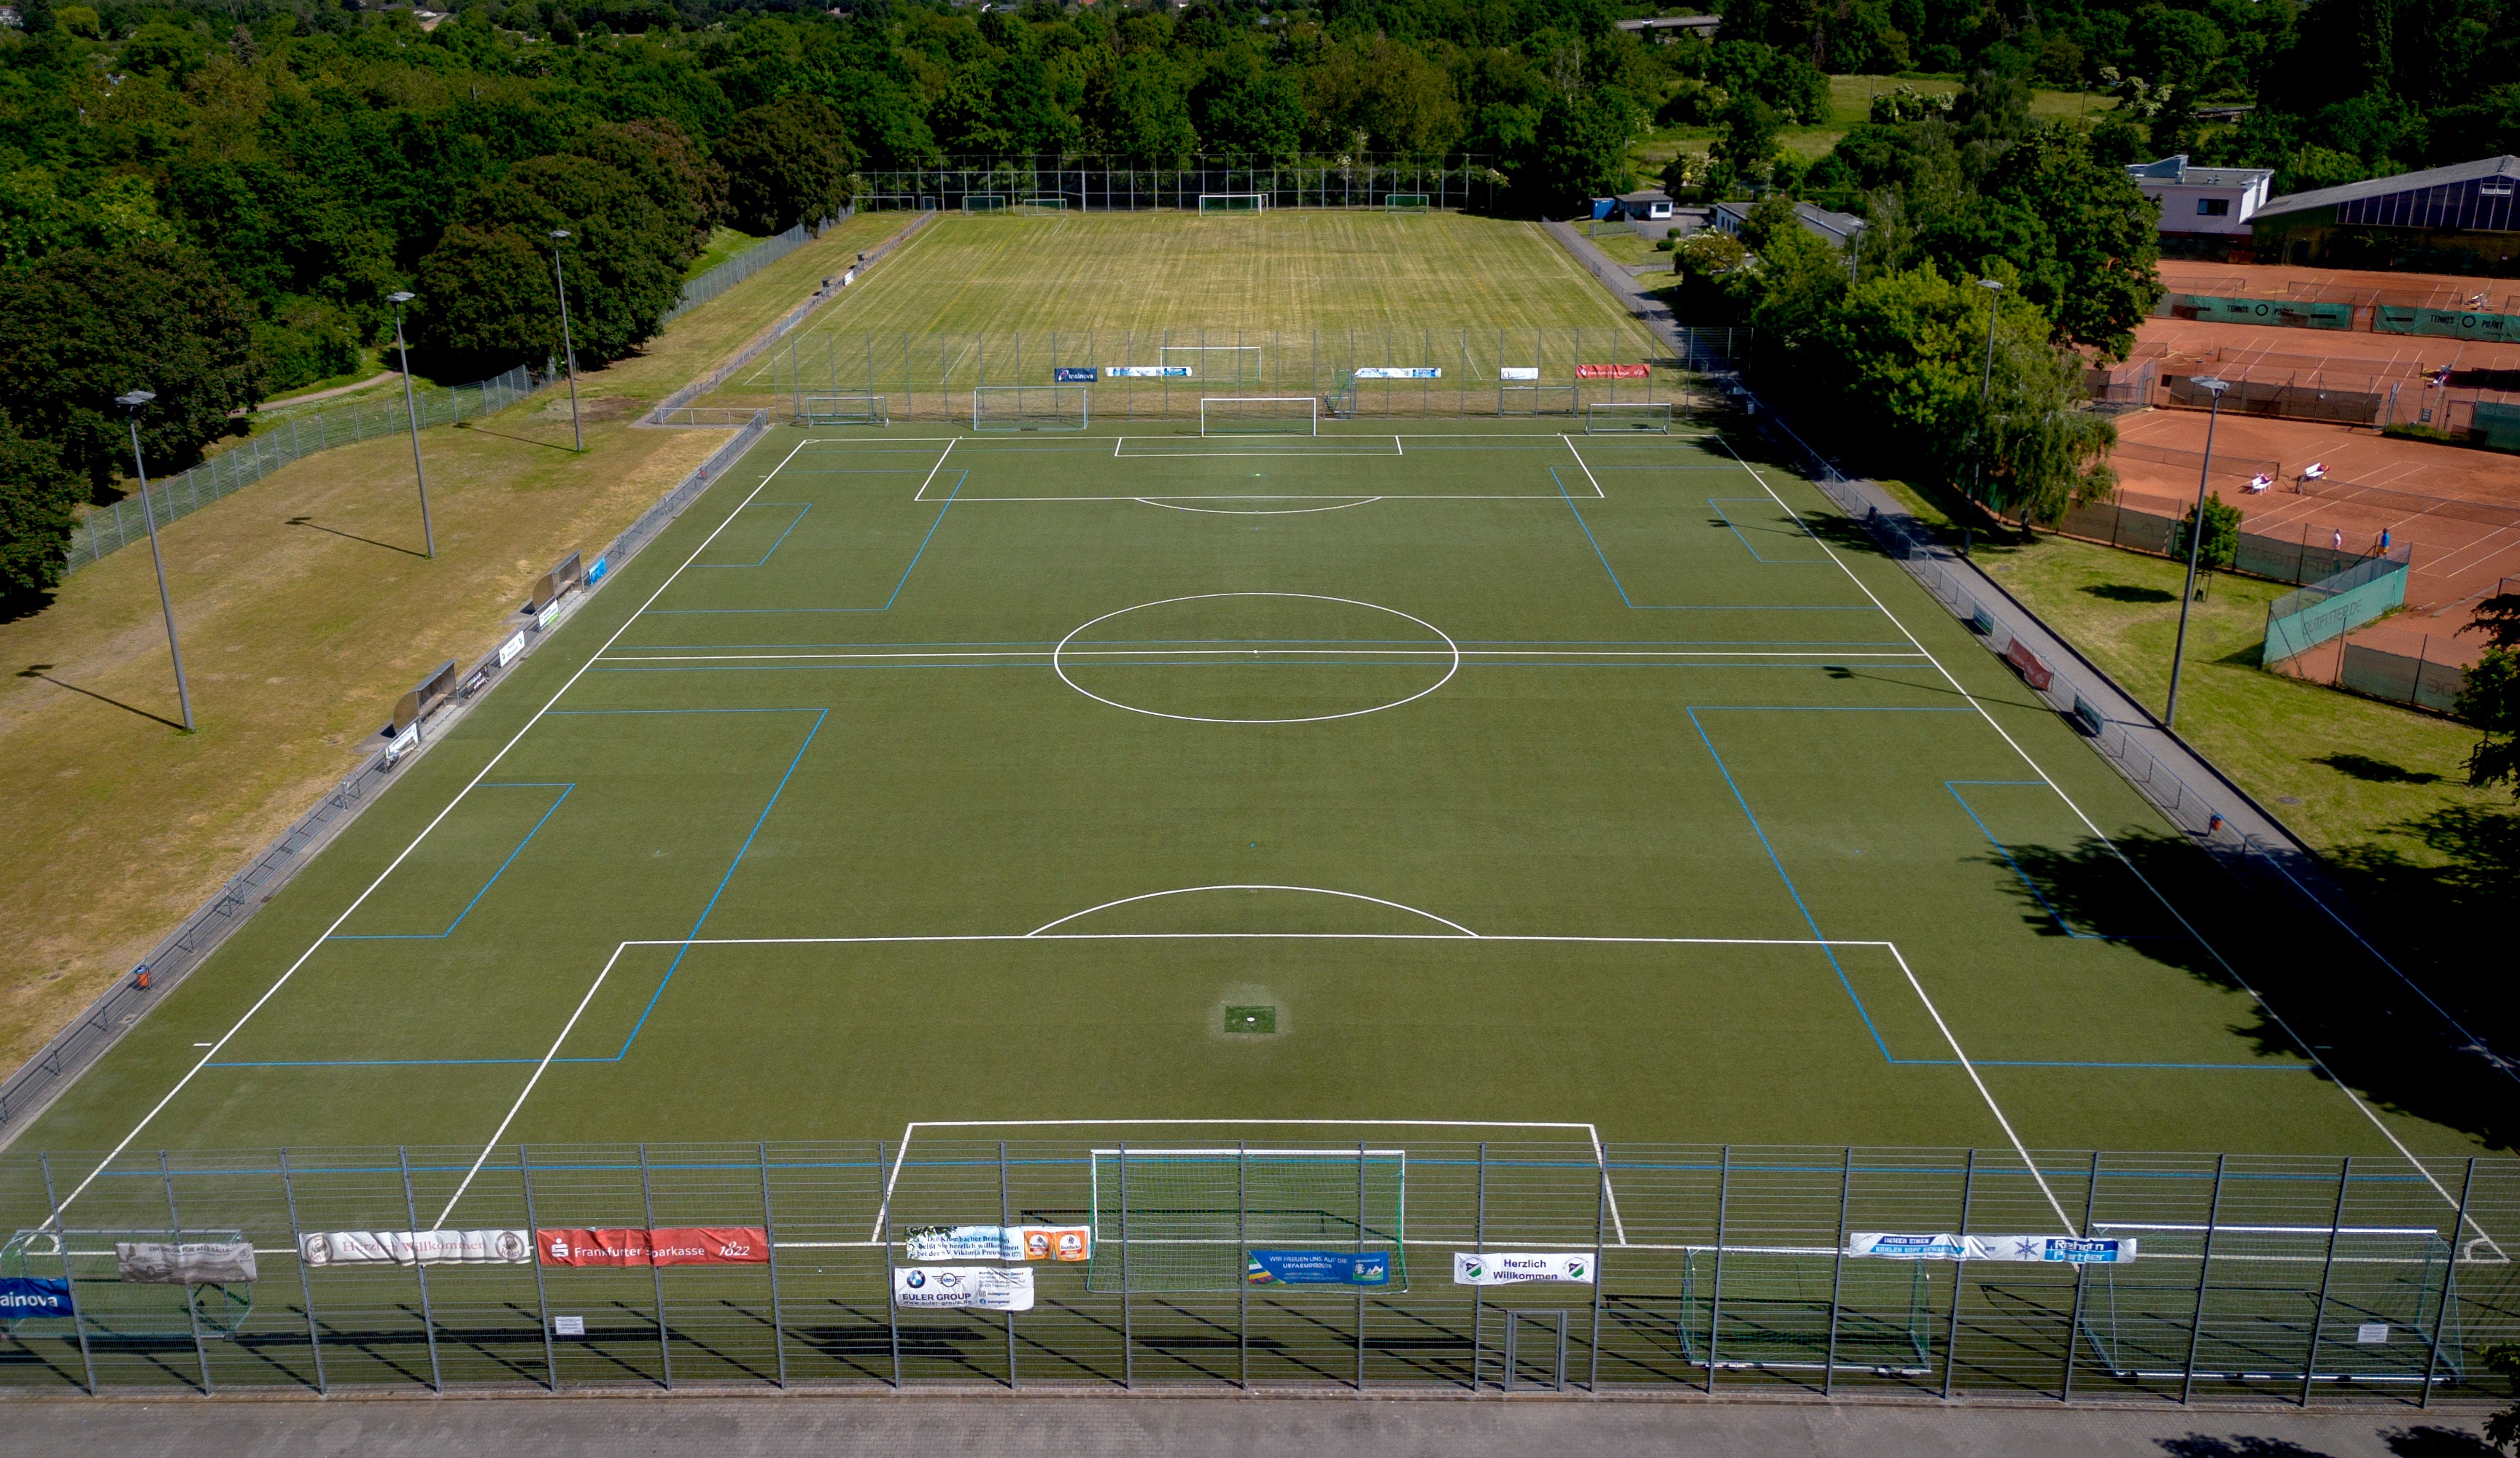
1233, 201
1613, 418
1259, 415
1042, 207
1187, 1220
1031, 407
1408, 202
984, 203
857, 409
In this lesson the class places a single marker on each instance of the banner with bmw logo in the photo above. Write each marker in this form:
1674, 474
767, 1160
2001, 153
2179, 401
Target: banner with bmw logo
1508, 1268
986, 1288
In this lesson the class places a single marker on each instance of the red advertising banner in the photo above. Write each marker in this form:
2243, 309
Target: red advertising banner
685, 1245
1614, 372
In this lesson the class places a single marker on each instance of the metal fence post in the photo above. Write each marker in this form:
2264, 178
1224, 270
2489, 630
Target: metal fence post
305, 1283
1960, 1275
1837, 1271
2074, 1321
656, 1272
2204, 1274
192, 1308
1006, 1217
2326, 1276
770, 1244
1128, 1337
69, 1280
1242, 1255
542, 1293
419, 1270
1601, 1217
891, 1304
1360, 1251
1478, 1294
2450, 1285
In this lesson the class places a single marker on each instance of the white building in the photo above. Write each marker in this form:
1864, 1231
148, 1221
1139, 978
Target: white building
2204, 210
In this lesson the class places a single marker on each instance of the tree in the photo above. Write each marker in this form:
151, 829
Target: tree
1139, 106
2489, 700
2080, 233
788, 163
1746, 144
38, 501
82, 327
2222, 542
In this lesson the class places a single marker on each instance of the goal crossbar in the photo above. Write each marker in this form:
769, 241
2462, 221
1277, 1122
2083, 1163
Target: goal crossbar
1233, 201
1607, 416
844, 410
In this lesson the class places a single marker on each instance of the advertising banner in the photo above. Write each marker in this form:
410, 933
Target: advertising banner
2070, 1249
999, 1243
1513, 1268
1074, 373
508, 650
164, 1263
1613, 372
1319, 1268
22, 1297
1399, 372
685, 1245
319, 1247
1146, 372
1519, 372
984, 1288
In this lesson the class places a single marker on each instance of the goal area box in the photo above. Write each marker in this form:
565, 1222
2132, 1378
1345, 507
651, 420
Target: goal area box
1031, 407
1185, 1220
1259, 415
1233, 201
1607, 418
842, 410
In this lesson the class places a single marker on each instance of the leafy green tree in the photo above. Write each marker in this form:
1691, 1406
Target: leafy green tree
2079, 232
2222, 541
1242, 105
39, 504
2489, 700
1745, 142
786, 162
1139, 106
2503, 1426
82, 327
489, 296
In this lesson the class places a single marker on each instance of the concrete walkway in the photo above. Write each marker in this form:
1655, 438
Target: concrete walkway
1175, 1427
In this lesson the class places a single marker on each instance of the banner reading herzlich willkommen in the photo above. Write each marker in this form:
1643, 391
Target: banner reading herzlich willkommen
686, 1245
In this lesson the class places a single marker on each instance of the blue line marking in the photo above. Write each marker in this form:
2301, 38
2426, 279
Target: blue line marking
1717, 502
2029, 885
890, 598
1622, 587
520, 849
802, 507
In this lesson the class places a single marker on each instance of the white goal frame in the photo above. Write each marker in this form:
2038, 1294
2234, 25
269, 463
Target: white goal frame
1310, 423
999, 199
1028, 416
1026, 205
1259, 202
845, 408
1408, 201
1610, 417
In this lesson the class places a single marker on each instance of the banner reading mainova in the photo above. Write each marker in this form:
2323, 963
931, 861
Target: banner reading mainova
22, 1297
1514, 1268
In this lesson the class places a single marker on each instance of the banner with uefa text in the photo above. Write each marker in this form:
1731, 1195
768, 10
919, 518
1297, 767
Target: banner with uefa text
1613, 372
2071, 1249
1069, 1243
685, 1245
982, 1287
1513, 1268
1319, 1268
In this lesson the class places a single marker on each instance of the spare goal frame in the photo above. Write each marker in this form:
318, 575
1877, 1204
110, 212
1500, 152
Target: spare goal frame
1049, 204
1408, 202
1307, 422
1031, 407
984, 203
1233, 201
845, 408
1611, 417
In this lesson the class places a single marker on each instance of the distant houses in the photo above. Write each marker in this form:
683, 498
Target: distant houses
2205, 211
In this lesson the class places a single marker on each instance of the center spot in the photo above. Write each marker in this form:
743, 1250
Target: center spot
1256, 657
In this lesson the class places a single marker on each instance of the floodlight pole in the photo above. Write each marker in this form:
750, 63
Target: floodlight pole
131, 404
2195, 542
1985, 393
569, 352
428, 538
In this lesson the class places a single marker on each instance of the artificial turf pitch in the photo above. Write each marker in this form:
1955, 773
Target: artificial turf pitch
920, 775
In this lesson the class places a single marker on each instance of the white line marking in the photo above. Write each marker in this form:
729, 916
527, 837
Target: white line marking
635, 656
922, 493
1194, 889
1397, 448
539, 1069
1597, 493
1992, 1106
1292, 511
274, 989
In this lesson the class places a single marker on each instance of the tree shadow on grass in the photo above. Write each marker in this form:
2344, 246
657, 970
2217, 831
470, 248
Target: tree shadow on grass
2428, 1441
2318, 989
2378, 771
2127, 592
2245, 1445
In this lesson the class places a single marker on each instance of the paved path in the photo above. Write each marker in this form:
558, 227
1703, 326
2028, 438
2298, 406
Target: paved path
1178, 1427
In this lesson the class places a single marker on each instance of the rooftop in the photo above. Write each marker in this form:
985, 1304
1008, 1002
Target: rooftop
2403, 182
2175, 171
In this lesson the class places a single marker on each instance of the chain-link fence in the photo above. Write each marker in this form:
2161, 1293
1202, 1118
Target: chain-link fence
1723, 1268
294, 436
1047, 185
746, 264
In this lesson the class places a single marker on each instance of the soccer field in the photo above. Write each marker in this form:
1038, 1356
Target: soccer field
1478, 773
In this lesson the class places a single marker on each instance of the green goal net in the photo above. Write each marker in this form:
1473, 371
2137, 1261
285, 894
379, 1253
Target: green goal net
857, 409
1233, 201
984, 203
1187, 1219
1042, 207
1607, 418
146, 1313
1771, 1309
1407, 203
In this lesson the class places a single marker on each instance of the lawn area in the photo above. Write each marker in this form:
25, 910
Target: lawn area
306, 609
724, 243
1851, 103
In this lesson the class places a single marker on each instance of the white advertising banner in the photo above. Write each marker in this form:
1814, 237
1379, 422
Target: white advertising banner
2066, 1249
416, 1247
508, 650
1519, 372
1146, 372
999, 1243
1399, 372
1511, 1267
986, 1288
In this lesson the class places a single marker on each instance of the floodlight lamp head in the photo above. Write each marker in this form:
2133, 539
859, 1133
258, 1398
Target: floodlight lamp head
401, 296
560, 233
1995, 284
136, 398
2210, 383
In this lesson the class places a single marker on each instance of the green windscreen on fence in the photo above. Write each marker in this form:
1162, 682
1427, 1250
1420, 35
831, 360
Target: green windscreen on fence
2290, 314
2497, 425
2301, 619
2448, 324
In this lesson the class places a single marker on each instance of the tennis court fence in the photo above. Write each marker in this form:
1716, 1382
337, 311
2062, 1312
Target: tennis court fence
2258, 554
1722, 1268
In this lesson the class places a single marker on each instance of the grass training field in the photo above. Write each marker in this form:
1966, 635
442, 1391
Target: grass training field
1481, 773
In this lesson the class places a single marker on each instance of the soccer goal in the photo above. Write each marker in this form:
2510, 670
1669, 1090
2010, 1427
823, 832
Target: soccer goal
1534, 399
1233, 201
1608, 418
1407, 203
842, 410
1187, 1220
1030, 408
1042, 207
109, 1302
1235, 363
983, 202
1259, 415
1805, 1311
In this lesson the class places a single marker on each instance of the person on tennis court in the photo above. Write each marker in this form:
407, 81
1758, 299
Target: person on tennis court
2336, 539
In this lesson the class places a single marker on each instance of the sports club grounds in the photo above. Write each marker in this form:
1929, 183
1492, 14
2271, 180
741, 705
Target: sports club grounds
1426, 818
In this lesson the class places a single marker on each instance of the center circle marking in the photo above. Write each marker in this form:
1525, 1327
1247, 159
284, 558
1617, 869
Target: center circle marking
1058, 666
